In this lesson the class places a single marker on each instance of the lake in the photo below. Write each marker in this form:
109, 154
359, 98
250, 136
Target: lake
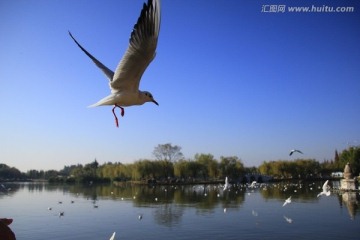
179, 212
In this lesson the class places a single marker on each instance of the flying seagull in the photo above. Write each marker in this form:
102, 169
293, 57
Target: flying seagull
124, 83
287, 201
325, 189
294, 150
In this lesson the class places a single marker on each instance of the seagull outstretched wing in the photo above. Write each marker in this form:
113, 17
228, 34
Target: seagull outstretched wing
325, 189
141, 50
109, 74
287, 201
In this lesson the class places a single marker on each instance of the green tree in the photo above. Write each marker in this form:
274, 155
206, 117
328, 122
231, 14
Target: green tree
181, 169
7, 172
35, 174
231, 167
144, 169
194, 169
51, 174
300, 168
350, 155
209, 166
265, 168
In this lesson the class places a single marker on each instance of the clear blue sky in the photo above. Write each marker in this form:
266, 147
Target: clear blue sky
230, 80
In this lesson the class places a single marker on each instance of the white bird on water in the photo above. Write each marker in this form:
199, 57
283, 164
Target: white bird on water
325, 189
226, 186
5, 189
287, 201
254, 213
289, 220
294, 150
253, 184
124, 83
112, 236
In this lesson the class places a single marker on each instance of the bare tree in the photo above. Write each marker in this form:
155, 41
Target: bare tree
167, 154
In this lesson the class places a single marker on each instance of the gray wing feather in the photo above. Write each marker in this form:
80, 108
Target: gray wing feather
107, 71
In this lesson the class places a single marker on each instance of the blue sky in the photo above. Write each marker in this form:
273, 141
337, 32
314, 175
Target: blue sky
230, 80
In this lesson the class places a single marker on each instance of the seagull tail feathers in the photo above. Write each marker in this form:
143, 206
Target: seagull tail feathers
109, 100
93, 105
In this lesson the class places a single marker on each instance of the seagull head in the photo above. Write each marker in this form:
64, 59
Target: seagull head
148, 97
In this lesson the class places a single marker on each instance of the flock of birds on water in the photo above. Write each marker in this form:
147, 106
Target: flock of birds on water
222, 189
225, 187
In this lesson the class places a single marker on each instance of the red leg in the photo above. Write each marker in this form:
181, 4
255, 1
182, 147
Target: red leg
122, 114
116, 119
122, 110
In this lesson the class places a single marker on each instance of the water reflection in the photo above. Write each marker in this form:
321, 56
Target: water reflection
168, 214
170, 200
351, 201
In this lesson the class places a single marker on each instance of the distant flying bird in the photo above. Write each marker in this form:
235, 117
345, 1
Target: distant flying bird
112, 236
124, 83
294, 150
325, 189
287, 201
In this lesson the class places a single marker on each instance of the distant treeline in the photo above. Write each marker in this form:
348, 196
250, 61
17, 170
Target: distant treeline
203, 167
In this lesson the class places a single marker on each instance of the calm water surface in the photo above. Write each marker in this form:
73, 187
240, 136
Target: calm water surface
179, 212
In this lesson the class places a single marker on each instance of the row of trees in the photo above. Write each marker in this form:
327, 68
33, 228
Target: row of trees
7, 172
203, 167
350, 155
169, 163
305, 168
300, 168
